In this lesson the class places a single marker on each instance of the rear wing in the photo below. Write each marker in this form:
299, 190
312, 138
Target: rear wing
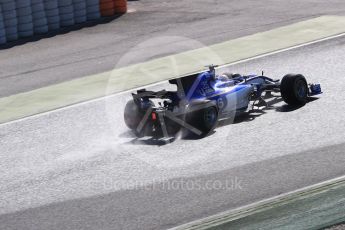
144, 94
185, 82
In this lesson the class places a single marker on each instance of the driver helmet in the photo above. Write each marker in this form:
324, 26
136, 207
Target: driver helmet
232, 75
223, 78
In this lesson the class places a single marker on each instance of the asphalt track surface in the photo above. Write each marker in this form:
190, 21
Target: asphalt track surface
80, 168
156, 25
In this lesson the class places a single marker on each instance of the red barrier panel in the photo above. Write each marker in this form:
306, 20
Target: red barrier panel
120, 6
107, 7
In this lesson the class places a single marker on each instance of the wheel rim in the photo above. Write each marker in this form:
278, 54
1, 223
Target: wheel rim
301, 90
210, 117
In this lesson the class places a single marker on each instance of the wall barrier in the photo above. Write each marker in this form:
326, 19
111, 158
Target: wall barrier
24, 15
2, 29
9, 15
79, 10
39, 17
52, 14
25, 18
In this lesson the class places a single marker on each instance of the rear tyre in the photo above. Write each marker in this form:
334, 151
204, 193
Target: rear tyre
204, 120
294, 89
133, 115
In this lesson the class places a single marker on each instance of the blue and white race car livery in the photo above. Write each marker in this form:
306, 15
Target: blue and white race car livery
202, 99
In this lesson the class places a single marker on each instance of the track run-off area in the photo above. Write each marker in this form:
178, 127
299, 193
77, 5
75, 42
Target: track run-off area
79, 167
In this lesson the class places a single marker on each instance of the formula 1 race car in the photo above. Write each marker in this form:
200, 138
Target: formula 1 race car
204, 98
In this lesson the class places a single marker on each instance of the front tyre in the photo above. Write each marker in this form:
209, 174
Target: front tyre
294, 89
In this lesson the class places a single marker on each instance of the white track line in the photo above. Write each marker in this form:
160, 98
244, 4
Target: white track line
160, 82
247, 210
